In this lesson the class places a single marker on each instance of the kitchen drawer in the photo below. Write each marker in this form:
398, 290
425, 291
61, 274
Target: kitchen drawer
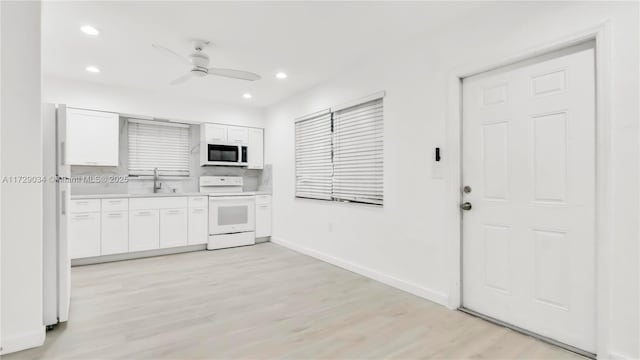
170, 202
263, 199
115, 204
84, 205
198, 201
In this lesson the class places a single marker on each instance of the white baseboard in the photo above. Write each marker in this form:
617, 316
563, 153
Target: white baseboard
617, 356
429, 294
22, 341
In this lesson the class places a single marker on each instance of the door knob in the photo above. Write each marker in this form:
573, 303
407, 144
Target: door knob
466, 206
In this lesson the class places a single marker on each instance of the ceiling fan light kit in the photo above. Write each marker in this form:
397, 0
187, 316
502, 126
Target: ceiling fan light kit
198, 60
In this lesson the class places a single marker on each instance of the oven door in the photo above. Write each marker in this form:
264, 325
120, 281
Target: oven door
231, 214
221, 154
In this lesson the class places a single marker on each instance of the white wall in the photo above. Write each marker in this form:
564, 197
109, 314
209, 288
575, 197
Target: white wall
91, 95
21, 155
405, 243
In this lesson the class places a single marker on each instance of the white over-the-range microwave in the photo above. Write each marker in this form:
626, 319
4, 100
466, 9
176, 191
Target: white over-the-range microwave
223, 154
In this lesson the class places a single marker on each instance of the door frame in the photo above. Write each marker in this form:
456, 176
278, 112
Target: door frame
601, 35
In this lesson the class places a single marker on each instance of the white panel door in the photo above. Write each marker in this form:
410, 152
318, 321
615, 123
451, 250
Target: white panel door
215, 133
144, 230
115, 232
92, 138
173, 227
256, 149
529, 160
198, 226
84, 234
237, 135
263, 216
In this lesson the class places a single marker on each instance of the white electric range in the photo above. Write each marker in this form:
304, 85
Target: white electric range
231, 212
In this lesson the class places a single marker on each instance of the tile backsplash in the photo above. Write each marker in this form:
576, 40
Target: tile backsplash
254, 180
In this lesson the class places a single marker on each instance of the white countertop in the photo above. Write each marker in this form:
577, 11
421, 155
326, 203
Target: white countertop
242, 193
146, 195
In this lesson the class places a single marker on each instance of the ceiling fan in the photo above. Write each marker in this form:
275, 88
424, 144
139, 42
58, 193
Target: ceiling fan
199, 62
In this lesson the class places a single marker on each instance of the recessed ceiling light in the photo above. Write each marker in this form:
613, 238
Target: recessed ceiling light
93, 69
89, 30
247, 96
281, 75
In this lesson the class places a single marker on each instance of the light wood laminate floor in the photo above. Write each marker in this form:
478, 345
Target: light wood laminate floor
263, 301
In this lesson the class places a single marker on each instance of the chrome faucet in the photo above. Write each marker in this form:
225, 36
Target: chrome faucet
157, 185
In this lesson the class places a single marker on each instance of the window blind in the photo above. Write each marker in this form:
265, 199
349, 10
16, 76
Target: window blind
358, 153
313, 156
156, 145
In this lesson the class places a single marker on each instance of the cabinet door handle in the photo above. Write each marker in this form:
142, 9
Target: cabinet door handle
115, 201
174, 212
114, 214
144, 213
81, 216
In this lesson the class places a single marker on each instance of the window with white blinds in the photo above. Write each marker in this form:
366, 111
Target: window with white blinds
157, 145
339, 154
313, 156
358, 153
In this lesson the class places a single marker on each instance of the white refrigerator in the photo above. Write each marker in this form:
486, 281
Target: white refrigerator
57, 262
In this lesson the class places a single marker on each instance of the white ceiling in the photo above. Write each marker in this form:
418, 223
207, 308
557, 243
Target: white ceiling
310, 41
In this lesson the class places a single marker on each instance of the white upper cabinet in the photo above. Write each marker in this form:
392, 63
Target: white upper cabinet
255, 149
237, 135
92, 138
252, 138
212, 133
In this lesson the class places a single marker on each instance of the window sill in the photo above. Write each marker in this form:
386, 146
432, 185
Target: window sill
339, 201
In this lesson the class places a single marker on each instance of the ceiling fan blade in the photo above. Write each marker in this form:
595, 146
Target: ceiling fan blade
234, 74
182, 59
181, 79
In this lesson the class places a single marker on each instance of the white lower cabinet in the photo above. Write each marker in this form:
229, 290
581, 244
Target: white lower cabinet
198, 226
263, 216
119, 225
173, 227
115, 232
84, 234
144, 230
